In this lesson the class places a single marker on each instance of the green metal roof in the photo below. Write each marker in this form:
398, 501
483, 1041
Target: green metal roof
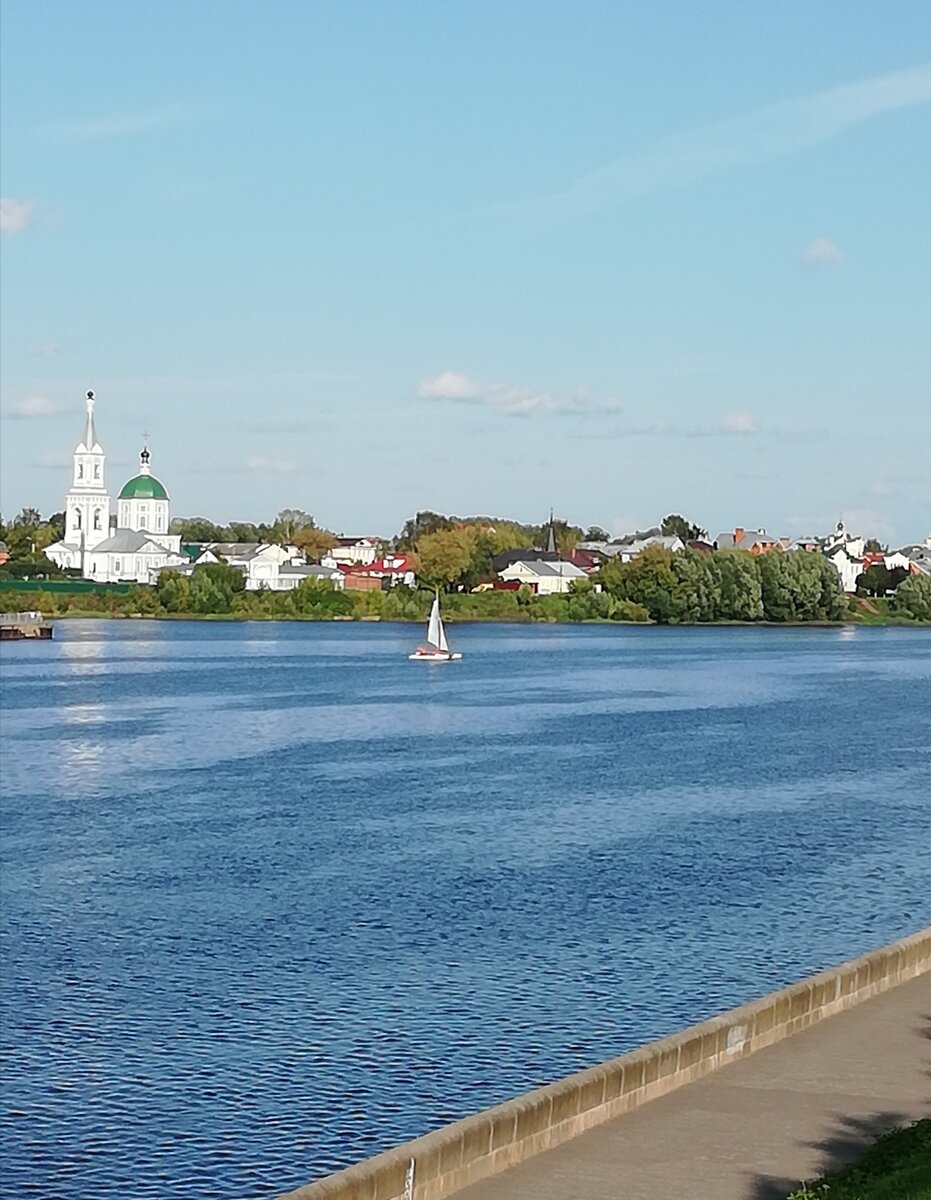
143, 487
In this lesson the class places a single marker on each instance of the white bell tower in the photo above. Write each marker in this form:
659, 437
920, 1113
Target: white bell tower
87, 505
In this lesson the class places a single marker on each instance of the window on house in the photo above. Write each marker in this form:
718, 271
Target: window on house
117, 564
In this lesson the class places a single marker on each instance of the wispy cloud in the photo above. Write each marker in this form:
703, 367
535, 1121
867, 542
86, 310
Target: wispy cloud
51, 461
15, 215
767, 133
125, 124
273, 425
458, 388
739, 424
821, 253
270, 466
31, 409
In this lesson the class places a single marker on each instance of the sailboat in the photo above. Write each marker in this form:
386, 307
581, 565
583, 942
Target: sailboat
437, 648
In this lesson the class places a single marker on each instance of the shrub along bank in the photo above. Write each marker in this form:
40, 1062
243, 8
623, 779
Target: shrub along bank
896, 1167
657, 586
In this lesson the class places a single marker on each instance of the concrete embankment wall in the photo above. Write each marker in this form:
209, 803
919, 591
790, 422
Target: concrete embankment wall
491, 1141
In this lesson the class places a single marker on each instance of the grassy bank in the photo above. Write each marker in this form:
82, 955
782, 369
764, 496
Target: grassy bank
896, 1167
322, 603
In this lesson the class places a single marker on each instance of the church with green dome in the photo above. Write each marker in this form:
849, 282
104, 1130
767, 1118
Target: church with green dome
143, 501
131, 543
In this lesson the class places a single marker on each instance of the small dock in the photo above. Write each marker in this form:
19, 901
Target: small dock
24, 626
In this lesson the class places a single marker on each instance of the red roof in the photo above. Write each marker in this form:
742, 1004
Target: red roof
398, 566
585, 560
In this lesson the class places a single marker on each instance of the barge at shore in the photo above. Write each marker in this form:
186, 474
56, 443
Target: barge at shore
30, 626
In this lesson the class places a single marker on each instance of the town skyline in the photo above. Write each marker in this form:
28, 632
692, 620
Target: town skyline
120, 464
670, 281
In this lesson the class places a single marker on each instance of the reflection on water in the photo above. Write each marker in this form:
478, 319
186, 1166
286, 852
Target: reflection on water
274, 899
82, 714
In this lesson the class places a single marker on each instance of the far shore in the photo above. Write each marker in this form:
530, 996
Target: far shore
846, 623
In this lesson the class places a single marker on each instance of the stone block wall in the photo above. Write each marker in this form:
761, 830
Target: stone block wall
440, 1163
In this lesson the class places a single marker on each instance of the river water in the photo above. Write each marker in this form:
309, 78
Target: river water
274, 898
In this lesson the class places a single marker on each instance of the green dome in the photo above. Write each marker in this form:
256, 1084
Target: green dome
143, 487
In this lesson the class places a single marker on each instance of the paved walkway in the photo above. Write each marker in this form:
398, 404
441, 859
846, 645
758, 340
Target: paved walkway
755, 1128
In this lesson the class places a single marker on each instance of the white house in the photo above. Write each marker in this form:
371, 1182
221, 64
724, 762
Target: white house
355, 550
846, 553
291, 575
267, 565
129, 555
626, 548
848, 566
546, 578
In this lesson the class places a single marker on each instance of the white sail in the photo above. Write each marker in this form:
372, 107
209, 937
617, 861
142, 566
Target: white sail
436, 634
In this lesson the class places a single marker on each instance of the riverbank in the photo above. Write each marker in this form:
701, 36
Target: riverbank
747, 1104
238, 618
177, 600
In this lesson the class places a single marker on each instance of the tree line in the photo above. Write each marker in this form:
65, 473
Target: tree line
456, 554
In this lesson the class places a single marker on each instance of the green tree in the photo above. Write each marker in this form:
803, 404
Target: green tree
444, 556
319, 598
143, 600
173, 591
676, 526
874, 581
198, 529
314, 542
290, 522
208, 593
696, 585
647, 580
737, 589
913, 598
595, 533
418, 526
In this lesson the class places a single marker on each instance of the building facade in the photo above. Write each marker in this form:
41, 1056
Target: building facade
114, 547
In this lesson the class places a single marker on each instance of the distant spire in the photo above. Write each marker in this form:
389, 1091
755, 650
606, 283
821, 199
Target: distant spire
551, 537
90, 433
144, 456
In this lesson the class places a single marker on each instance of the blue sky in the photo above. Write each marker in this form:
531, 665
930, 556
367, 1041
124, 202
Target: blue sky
365, 258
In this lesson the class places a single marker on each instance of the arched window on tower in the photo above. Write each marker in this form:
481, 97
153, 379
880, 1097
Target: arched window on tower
96, 470
80, 470
96, 518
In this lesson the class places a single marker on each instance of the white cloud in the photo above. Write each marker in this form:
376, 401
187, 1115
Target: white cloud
117, 125
821, 253
739, 422
53, 461
270, 466
47, 350
773, 132
15, 215
32, 408
456, 387
449, 385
